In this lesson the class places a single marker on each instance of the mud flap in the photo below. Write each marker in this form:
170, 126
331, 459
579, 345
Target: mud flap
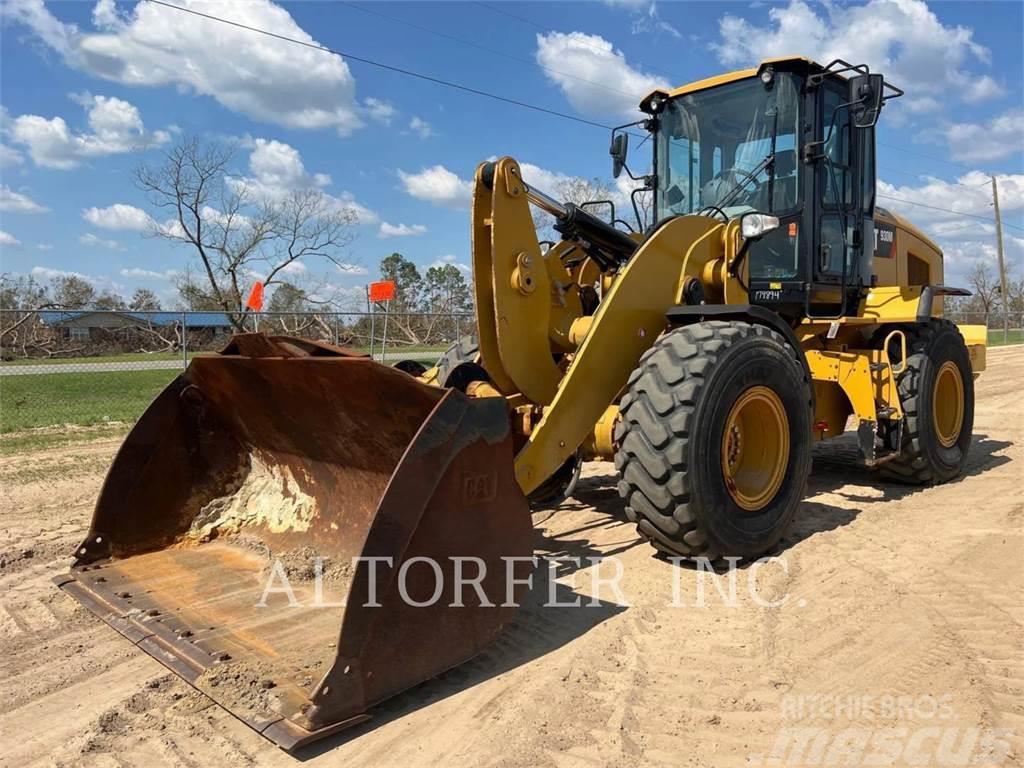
301, 533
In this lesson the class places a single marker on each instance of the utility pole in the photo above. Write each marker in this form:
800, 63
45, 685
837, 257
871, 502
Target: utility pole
1003, 292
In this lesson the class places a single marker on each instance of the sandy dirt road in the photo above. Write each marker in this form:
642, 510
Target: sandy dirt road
899, 614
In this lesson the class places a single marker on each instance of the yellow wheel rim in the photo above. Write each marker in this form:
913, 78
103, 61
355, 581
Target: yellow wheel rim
755, 448
948, 404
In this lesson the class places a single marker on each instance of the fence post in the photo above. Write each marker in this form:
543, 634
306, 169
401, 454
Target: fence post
184, 341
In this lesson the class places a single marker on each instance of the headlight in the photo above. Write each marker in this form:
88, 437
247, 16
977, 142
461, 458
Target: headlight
754, 225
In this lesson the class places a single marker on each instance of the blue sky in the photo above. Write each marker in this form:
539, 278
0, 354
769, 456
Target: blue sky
90, 90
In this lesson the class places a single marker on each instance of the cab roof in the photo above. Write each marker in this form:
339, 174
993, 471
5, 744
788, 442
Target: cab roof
729, 77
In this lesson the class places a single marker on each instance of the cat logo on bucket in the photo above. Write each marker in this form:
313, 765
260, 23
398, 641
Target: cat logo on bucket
478, 488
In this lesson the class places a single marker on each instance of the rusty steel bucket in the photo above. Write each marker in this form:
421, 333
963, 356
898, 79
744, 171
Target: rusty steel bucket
224, 538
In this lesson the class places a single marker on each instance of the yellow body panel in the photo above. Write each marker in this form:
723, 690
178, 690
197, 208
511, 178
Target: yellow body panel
866, 389
629, 319
522, 287
976, 338
564, 369
728, 77
483, 286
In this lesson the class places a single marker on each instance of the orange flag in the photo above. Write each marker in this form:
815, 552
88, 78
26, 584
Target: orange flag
255, 300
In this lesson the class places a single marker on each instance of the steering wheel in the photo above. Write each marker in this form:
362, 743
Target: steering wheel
727, 180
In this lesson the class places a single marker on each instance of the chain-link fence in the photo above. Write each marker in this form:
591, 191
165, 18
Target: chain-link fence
88, 367
91, 367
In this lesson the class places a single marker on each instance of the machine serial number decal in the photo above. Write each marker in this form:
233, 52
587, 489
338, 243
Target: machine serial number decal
767, 295
885, 238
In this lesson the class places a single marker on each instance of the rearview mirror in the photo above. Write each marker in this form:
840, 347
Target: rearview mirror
865, 100
620, 145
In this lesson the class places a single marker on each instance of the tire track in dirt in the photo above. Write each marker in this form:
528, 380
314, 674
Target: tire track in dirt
905, 592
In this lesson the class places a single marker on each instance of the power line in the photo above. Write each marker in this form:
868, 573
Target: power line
475, 91
388, 67
946, 210
945, 160
471, 44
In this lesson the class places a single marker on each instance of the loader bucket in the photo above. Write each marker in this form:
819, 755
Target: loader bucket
224, 537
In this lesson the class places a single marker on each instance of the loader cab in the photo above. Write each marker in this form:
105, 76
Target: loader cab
793, 140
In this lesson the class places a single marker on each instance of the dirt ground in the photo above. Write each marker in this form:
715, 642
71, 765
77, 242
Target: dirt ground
899, 614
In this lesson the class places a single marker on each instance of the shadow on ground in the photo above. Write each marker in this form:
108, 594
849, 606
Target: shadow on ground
604, 531
837, 469
538, 629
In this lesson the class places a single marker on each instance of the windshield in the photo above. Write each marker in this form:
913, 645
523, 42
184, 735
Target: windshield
710, 142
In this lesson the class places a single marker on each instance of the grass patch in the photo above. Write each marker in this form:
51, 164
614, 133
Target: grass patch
413, 351
127, 357
82, 399
995, 336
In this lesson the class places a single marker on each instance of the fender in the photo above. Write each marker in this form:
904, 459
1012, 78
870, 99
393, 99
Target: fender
685, 314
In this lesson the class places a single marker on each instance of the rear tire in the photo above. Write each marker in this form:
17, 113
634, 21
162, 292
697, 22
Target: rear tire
936, 439
465, 350
674, 452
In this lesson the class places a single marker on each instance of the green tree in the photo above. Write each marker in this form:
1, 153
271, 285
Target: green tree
408, 282
22, 292
446, 290
72, 292
109, 300
288, 298
144, 300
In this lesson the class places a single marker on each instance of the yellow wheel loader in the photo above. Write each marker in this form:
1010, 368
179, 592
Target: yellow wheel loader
301, 532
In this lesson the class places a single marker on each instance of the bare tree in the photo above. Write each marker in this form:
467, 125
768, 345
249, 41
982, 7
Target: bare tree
986, 289
238, 234
578, 191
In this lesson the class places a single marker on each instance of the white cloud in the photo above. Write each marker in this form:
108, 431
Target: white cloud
115, 127
8, 240
646, 18
903, 39
963, 239
379, 110
970, 193
149, 274
437, 185
595, 78
91, 240
294, 268
49, 29
276, 169
119, 216
400, 230
421, 126
15, 202
543, 179
353, 270
10, 158
49, 273
44, 247
999, 137
451, 260
268, 80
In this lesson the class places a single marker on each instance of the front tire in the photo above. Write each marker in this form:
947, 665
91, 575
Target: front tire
937, 394
715, 440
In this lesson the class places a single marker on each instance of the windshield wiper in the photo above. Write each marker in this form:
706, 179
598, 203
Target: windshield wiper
734, 191
768, 163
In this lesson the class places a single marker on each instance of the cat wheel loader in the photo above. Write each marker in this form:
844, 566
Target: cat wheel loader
301, 532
